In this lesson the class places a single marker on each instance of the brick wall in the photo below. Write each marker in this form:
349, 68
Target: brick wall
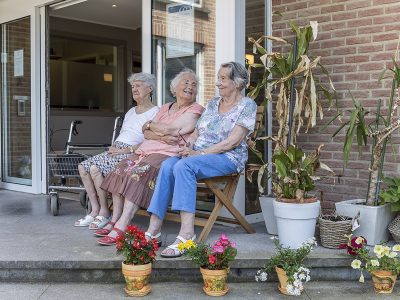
18, 129
355, 40
204, 33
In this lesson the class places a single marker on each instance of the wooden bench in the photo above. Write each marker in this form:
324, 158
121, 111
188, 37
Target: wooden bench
225, 198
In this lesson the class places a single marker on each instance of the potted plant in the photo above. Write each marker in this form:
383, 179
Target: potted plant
374, 217
288, 264
280, 72
383, 266
392, 196
140, 256
213, 262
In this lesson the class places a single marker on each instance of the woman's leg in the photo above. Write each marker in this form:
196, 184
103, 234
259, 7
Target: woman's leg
118, 205
154, 227
186, 172
97, 179
129, 211
90, 190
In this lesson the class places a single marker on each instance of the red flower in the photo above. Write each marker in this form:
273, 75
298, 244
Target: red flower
141, 258
354, 244
212, 259
343, 246
144, 243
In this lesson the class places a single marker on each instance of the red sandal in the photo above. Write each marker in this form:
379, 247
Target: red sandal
108, 240
104, 232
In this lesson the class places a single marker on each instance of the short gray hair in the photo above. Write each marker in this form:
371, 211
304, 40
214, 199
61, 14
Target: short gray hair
177, 78
237, 73
148, 79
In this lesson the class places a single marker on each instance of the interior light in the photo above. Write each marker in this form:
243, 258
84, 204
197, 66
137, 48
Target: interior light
65, 4
114, 5
108, 77
249, 59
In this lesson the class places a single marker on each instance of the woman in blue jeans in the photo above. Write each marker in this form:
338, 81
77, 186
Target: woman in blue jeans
217, 147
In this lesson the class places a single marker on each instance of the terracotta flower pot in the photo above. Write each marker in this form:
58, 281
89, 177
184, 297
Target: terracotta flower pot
137, 277
383, 281
283, 280
214, 281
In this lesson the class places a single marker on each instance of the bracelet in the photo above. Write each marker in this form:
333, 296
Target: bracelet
131, 149
148, 124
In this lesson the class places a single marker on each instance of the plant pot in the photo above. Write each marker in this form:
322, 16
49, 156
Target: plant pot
214, 281
296, 222
283, 281
374, 220
268, 214
306, 200
137, 277
383, 281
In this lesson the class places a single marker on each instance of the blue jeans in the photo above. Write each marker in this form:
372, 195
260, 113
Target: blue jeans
177, 179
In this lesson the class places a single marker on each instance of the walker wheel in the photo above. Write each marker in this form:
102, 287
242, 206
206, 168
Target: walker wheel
88, 206
83, 198
54, 204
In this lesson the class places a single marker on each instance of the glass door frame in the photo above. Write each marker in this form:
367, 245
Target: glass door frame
11, 13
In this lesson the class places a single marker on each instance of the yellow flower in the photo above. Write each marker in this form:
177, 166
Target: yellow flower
348, 236
378, 249
386, 250
356, 264
359, 240
380, 254
181, 246
375, 263
392, 254
189, 244
361, 278
396, 248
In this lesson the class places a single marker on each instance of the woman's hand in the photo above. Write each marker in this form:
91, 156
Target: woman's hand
187, 152
144, 127
170, 140
115, 151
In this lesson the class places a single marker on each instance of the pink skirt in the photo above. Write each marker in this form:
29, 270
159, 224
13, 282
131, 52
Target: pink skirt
135, 183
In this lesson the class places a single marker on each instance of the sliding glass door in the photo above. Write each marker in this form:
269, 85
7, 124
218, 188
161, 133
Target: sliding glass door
16, 144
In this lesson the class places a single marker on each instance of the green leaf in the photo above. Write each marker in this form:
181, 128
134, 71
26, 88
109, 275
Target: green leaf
360, 132
280, 168
333, 119
295, 154
292, 25
380, 76
395, 206
340, 128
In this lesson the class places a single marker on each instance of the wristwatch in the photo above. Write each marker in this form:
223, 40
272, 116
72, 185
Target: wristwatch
148, 124
202, 152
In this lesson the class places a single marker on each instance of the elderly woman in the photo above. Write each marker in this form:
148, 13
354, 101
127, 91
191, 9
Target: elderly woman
217, 147
134, 178
94, 169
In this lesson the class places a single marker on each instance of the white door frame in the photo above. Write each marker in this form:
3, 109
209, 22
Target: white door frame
9, 13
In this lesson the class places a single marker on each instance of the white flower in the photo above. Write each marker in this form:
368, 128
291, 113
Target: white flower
297, 292
289, 289
392, 254
295, 275
378, 249
302, 276
356, 264
308, 278
297, 283
263, 276
396, 248
375, 263
274, 238
380, 254
386, 250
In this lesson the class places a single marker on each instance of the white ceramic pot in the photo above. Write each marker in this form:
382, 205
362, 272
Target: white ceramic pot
296, 222
268, 214
374, 220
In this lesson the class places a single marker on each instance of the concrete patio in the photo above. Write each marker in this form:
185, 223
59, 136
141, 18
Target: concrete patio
39, 247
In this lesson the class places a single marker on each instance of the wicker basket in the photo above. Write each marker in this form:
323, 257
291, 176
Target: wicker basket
394, 228
333, 232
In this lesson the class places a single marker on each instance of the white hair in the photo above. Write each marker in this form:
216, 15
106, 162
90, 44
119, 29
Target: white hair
177, 78
148, 79
237, 73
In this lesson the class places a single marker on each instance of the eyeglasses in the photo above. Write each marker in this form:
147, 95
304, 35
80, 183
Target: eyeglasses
186, 143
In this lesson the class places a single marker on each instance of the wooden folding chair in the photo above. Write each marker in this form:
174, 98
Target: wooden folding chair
225, 198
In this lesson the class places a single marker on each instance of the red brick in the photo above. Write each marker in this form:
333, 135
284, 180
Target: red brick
357, 59
385, 37
380, 2
357, 76
345, 86
332, 44
370, 49
370, 12
318, 2
367, 85
371, 66
358, 4
332, 61
288, 1
390, 46
344, 51
359, 23
296, 6
333, 8
392, 9
333, 26
344, 68
276, 26
386, 19
343, 33
358, 40
381, 93
308, 12
276, 2
344, 16
322, 19
381, 56
392, 27
370, 29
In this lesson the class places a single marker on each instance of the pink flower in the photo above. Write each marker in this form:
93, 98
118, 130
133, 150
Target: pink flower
117, 171
233, 245
224, 239
216, 243
218, 249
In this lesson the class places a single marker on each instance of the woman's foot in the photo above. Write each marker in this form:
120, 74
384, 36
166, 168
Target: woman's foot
186, 236
149, 236
100, 222
111, 238
85, 221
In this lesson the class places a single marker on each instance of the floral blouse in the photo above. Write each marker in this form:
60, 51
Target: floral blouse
214, 127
